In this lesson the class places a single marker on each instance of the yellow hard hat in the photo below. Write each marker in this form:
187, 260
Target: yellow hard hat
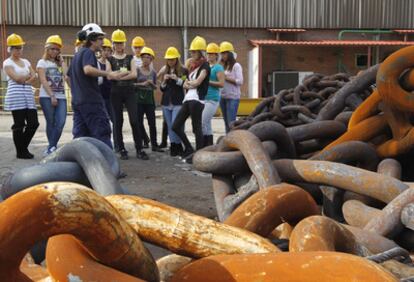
198, 44
78, 42
213, 48
171, 53
138, 41
107, 43
118, 36
15, 40
226, 46
147, 50
54, 39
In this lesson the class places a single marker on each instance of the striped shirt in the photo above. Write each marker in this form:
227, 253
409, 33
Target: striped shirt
18, 96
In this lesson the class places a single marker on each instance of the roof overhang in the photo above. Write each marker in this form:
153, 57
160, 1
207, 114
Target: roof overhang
264, 42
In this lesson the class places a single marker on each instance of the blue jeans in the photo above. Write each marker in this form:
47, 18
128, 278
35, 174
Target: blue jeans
229, 109
91, 120
210, 109
55, 119
170, 113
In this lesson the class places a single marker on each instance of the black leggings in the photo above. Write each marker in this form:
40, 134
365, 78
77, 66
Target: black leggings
149, 111
24, 127
121, 96
194, 109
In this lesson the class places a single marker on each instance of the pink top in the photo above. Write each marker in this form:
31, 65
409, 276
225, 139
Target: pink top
231, 91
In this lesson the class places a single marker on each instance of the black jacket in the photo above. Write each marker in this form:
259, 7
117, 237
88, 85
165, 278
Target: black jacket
173, 92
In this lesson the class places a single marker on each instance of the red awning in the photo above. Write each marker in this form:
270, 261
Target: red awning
264, 42
286, 30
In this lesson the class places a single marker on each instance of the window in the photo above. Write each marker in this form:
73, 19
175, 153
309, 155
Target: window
361, 60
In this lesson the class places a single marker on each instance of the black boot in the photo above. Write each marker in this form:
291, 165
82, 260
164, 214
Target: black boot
187, 152
164, 135
142, 155
173, 150
123, 154
176, 150
156, 148
27, 137
145, 139
19, 143
179, 149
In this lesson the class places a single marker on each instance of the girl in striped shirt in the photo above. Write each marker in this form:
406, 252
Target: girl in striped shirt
20, 97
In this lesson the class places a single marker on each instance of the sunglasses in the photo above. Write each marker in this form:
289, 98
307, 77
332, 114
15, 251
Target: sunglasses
55, 49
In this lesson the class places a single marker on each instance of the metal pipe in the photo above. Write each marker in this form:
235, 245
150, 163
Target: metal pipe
369, 61
376, 31
260, 72
185, 43
3, 30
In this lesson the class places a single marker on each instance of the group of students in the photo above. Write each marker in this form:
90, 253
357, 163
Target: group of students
104, 79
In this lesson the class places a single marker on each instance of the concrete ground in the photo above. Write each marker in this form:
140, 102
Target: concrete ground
162, 178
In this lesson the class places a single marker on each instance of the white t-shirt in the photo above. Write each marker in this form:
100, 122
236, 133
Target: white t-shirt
54, 77
17, 69
18, 96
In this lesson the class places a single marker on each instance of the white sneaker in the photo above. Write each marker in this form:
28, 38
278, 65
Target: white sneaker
46, 153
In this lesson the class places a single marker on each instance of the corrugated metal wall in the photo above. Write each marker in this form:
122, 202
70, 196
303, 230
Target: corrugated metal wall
216, 13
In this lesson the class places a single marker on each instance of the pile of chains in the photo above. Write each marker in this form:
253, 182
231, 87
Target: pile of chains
302, 104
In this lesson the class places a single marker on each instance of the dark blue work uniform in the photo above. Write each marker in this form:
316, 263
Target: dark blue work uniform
90, 117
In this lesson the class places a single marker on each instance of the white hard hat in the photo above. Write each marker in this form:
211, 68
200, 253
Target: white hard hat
93, 28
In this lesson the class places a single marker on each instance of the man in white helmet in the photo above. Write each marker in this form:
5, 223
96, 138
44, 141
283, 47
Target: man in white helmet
90, 117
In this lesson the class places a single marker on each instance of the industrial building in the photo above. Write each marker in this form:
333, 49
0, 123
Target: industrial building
277, 41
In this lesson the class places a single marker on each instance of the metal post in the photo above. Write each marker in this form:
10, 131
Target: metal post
260, 72
369, 63
185, 43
